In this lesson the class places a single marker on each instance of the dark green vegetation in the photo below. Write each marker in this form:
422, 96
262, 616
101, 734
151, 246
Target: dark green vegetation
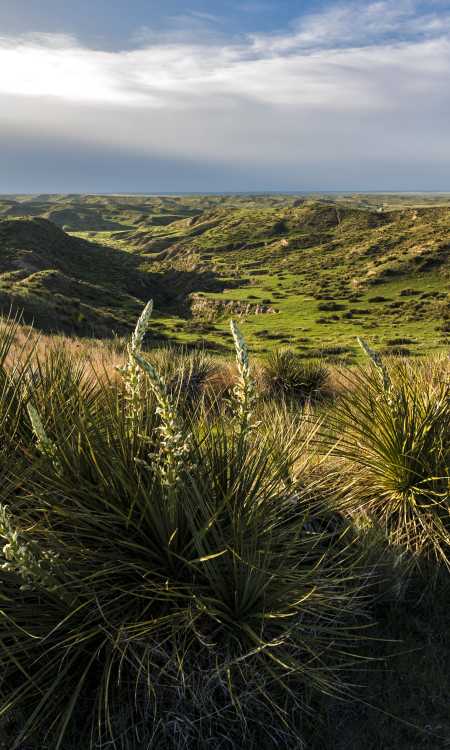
285, 374
309, 273
181, 574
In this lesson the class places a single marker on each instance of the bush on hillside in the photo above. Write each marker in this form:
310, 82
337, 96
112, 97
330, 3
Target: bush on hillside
330, 306
187, 374
286, 374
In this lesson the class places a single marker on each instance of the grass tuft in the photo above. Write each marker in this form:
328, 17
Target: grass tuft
392, 429
288, 375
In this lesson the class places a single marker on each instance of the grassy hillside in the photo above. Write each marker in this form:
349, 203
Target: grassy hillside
324, 271
64, 283
97, 212
311, 273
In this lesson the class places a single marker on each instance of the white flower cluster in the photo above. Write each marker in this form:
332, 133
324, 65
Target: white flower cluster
45, 445
25, 558
131, 372
137, 339
175, 447
244, 391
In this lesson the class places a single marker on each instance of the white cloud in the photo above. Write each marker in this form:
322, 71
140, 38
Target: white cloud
352, 83
356, 24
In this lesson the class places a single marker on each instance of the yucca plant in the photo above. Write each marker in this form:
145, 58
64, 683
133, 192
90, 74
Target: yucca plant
187, 374
15, 428
56, 383
392, 430
286, 374
165, 587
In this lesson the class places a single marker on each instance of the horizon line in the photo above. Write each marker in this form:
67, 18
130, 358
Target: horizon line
154, 193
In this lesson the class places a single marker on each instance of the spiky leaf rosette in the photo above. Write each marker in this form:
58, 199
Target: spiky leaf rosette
286, 374
392, 429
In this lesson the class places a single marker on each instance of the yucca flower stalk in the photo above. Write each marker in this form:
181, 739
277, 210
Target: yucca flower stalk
131, 372
24, 557
44, 444
377, 360
174, 445
244, 391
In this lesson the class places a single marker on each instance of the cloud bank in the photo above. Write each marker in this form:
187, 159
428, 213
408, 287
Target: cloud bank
354, 97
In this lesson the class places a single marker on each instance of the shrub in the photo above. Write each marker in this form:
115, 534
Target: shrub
359, 311
393, 431
164, 583
330, 306
397, 351
409, 292
336, 350
284, 373
187, 374
400, 341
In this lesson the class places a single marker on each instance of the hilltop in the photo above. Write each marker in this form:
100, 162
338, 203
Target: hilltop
103, 212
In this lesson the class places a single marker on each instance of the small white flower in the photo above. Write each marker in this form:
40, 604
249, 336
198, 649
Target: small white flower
26, 559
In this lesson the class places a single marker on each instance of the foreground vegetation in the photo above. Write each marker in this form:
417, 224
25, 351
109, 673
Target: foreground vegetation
206, 554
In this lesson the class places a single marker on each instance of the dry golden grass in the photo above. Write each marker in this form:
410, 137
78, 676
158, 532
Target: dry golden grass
99, 355
104, 356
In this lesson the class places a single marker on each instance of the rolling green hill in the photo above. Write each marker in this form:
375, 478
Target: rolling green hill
329, 271
311, 273
64, 283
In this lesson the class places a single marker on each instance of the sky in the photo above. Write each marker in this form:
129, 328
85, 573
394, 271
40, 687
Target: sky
238, 95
